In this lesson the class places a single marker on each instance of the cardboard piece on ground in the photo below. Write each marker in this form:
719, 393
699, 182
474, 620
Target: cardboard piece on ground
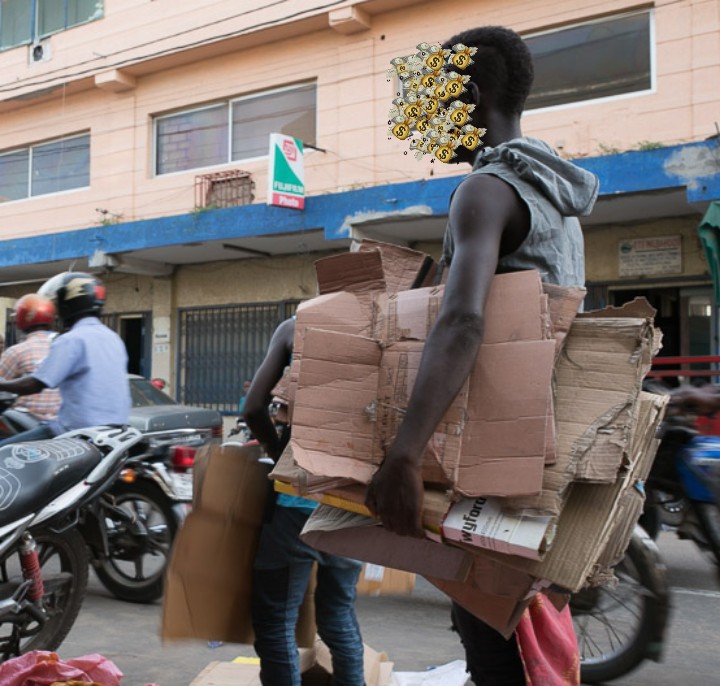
208, 585
380, 580
348, 534
315, 665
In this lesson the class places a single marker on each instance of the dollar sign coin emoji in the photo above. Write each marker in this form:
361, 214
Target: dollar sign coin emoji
460, 60
428, 81
441, 92
444, 153
470, 141
430, 105
454, 88
401, 131
459, 117
413, 110
421, 125
434, 62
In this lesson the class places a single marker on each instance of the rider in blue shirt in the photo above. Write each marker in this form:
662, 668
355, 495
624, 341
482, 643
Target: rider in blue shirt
88, 363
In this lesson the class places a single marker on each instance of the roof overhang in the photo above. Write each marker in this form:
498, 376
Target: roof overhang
635, 186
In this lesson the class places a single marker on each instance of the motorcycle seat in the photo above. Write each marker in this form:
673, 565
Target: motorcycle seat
33, 474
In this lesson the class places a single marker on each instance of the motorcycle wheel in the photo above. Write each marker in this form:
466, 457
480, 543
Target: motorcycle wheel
64, 563
709, 516
617, 627
135, 568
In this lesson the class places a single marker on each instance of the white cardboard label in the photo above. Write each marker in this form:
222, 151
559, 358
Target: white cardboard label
482, 522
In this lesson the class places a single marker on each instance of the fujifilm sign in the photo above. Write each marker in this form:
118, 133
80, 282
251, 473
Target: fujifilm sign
286, 174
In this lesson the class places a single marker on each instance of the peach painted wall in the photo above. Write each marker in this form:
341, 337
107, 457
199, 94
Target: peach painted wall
149, 41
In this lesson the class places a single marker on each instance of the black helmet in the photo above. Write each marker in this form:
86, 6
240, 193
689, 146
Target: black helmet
74, 294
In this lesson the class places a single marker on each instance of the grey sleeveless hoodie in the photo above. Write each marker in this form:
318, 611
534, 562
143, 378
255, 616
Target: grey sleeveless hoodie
556, 192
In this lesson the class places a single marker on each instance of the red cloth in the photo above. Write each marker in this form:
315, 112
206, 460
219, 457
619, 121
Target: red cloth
548, 645
42, 668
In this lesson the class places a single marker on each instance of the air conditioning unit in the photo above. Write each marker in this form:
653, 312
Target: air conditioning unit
39, 51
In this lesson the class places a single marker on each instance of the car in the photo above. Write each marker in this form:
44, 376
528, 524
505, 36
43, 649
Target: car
175, 431
153, 410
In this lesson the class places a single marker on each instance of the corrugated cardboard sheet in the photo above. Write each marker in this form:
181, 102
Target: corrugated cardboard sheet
497, 435
208, 586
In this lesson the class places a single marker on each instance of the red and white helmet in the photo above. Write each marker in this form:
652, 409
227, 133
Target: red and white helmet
34, 310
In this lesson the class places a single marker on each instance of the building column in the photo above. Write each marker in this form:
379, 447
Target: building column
162, 357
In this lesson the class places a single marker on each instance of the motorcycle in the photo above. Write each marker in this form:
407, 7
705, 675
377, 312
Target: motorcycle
618, 627
49, 492
154, 488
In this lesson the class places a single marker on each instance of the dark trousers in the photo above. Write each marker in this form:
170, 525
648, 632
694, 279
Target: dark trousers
491, 659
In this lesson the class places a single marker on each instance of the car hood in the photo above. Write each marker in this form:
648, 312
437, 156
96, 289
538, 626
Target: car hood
168, 417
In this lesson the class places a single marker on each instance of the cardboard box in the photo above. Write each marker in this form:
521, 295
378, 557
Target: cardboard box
597, 384
591, 514
208, 586
315, 665
348, 534
492, 441
380, 580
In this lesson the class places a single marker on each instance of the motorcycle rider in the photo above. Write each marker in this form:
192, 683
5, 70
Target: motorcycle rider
34, 317
88, 362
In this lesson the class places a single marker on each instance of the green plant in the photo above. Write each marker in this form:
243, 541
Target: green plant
608, 149
649, 145
108, 218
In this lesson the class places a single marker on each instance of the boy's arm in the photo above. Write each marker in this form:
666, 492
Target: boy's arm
257, 415
481, 210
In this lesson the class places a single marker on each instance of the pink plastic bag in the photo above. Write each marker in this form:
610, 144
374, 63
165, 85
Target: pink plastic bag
42, 668
548, 646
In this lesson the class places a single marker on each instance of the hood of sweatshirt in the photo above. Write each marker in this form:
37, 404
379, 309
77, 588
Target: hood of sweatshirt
569, 188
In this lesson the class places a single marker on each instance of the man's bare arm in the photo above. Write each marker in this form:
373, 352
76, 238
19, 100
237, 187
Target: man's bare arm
257, 415
482, 208
27, 385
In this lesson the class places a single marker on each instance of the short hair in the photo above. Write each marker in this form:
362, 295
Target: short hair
503, 64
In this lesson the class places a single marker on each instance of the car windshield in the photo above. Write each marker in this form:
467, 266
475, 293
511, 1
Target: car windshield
143, 393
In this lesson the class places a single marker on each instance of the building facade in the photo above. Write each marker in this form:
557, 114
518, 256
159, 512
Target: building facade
134, 143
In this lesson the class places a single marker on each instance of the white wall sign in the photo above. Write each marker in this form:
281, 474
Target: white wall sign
650, 256
286, 175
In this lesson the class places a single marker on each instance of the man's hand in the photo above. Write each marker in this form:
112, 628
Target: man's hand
704, 400
395, 495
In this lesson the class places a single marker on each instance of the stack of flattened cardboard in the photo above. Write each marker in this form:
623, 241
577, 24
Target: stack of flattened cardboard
531, 468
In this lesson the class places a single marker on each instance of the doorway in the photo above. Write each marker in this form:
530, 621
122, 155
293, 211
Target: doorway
134, 329
685, 315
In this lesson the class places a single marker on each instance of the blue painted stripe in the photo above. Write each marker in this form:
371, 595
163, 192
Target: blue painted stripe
629, 172
651, 170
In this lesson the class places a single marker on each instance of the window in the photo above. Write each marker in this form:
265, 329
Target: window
592, 60
234, 130
51, 167
25, 21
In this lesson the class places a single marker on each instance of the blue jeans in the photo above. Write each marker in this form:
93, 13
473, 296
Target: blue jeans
491, 659
283, 565
40, 432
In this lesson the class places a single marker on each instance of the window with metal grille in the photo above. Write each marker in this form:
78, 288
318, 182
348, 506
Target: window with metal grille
224, 189
219, 347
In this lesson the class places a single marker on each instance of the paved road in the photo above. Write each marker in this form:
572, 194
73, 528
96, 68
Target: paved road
413, 630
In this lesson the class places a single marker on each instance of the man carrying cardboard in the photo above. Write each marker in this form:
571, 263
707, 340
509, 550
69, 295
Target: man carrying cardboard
283, 563
516, 210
